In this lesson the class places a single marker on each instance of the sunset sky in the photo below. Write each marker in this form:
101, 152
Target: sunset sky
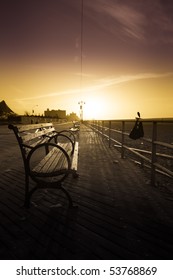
127, 57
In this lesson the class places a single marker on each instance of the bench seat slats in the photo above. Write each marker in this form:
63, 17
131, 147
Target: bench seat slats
53, 161
51, 168
45, 163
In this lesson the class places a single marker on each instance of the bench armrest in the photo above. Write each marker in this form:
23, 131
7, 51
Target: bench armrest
43, 159
70, 137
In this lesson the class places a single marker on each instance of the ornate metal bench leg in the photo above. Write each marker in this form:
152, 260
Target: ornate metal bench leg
28, 198
28, 195
27, 202
68, 196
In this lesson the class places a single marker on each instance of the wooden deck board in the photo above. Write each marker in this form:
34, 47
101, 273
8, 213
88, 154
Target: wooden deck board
120, 215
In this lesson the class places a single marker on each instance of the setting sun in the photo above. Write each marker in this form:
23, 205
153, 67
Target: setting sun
93, 108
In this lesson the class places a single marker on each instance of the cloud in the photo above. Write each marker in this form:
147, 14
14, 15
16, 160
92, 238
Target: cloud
36, 97
128, 78
118, 18
130, 20
101, 84
145, 21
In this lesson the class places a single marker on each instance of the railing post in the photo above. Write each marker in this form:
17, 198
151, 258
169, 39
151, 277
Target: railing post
122, 139
97, 126
153, 153
109, 134
92, 124
102, 128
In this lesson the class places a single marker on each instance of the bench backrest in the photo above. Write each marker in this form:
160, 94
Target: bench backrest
28, 136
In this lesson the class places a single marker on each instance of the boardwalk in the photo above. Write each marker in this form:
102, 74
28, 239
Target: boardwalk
120, 215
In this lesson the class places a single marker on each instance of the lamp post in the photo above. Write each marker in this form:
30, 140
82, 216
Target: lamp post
81, 103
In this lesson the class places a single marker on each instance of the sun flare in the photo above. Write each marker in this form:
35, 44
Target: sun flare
94, 108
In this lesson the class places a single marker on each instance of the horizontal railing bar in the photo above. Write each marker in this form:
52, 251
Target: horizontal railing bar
167, 145
113, 140
157, 154
167, 120
147, 159
164, 169
149, 167
164, 156
118, 131
136, 153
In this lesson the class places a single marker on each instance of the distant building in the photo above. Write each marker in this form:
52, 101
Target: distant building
72, 117
60, 114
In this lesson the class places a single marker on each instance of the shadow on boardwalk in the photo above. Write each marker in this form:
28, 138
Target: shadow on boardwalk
120, 215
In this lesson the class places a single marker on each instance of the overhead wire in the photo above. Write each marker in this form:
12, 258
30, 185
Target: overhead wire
81, 44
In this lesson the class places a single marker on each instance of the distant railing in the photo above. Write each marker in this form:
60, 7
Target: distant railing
154, 150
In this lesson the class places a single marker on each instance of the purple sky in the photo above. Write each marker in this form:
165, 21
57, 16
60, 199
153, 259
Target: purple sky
30, 27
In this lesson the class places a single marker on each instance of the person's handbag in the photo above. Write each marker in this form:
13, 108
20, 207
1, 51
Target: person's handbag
137, 131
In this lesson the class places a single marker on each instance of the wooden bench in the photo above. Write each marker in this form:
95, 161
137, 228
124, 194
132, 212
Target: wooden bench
76, 127
48, 156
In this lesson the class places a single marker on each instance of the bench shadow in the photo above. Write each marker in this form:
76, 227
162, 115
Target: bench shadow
56, 238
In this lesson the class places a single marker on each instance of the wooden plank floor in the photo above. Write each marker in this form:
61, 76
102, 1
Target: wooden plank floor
119, 216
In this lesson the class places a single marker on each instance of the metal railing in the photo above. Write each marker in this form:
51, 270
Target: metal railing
154, 150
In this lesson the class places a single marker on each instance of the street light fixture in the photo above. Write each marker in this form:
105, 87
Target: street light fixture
81, 103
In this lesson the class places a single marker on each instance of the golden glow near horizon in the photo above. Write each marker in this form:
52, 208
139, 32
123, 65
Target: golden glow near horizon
105, 98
